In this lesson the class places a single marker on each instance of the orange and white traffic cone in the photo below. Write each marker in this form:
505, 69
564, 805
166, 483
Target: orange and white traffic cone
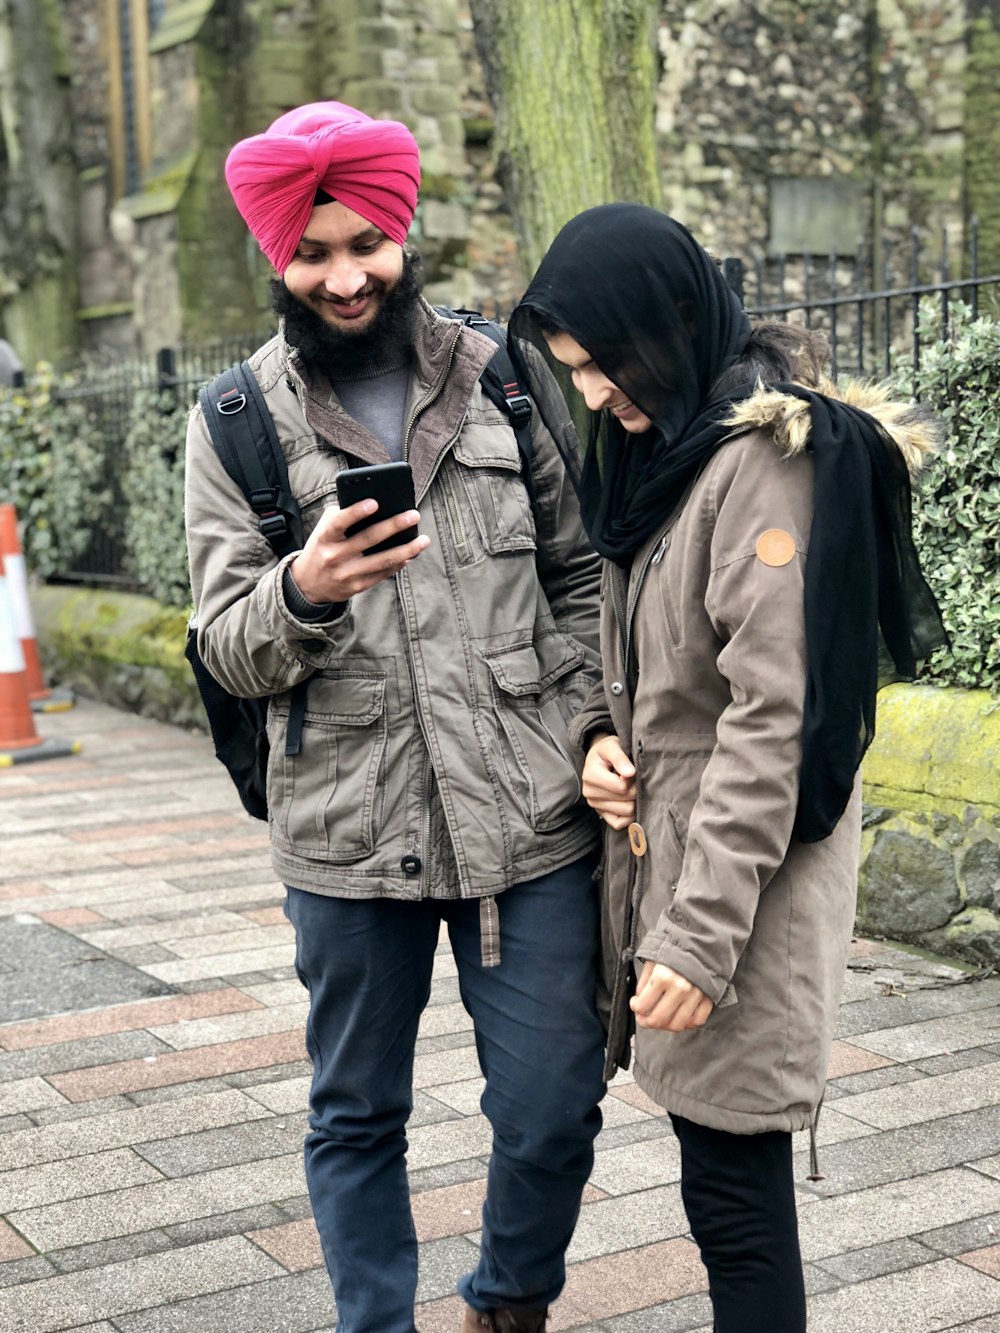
43, 699
19, 741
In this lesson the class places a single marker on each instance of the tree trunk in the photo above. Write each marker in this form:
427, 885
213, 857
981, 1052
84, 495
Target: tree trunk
982, 129
573, 87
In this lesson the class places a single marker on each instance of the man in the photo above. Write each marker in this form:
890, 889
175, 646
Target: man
433, 781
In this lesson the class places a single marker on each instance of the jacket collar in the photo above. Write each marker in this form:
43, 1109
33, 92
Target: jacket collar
448, 359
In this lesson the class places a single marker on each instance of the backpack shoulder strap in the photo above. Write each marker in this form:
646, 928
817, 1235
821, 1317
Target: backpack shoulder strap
499, 379
246, 441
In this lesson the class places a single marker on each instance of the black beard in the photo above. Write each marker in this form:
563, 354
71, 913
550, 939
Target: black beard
341, 354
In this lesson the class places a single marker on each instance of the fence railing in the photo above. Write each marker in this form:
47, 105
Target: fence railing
868, 308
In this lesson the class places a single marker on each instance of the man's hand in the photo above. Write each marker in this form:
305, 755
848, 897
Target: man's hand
609, 782
334, 568
664, 999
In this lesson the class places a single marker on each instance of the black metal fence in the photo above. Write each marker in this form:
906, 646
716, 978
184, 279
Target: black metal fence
868, 307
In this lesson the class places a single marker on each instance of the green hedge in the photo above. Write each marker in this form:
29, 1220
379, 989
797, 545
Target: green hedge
52, 466
957, 501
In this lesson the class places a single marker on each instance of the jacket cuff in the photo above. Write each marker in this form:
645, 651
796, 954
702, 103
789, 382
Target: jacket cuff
657, 948
300, 606
582, 730
309, 642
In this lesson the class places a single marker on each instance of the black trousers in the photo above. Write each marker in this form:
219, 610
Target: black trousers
739, 1196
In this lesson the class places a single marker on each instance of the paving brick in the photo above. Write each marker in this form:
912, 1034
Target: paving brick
20, 1271
202, 851
180, 1066
441, 1263
629, 1221
987, 1260
163, 931
887, 1077
65, 917
146, 1207
123, 1017
937, 1036
234, 1223
687, 1315
12, 1246
104, 1252
223, 964
615, 1111
157, 827
295, 1245
284, 1097
234, 941
445, 1066
462, 1097
291, 1303
931, 1098
440, 1018
449, 1173
897, 1154
265, 916
919, 1300
976, 1233
877, 1260
610, 1285
25, 1094
634, 1096
636, 1166
431, 1145
893, 1211
151, 1280
136, 1045
23, 888
32, 1186
273, 993
253, 1021
848, 1059
230, 1145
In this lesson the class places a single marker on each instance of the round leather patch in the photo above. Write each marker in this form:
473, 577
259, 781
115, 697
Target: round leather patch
775, 547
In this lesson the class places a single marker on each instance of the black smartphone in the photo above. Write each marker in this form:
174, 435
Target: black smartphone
391, 484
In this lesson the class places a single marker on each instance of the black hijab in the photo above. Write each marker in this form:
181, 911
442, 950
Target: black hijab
653, 310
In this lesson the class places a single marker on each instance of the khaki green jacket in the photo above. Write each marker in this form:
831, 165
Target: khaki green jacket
713, 609
435, 758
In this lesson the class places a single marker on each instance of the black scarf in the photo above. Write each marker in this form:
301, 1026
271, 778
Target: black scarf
654, 311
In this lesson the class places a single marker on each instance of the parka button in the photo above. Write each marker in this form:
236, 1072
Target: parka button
313, 645
411, 865
617, 688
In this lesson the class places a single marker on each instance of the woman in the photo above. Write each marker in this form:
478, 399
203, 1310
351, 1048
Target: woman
759, 572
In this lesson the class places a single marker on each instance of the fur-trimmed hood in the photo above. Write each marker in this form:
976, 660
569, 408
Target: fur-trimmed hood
913, 429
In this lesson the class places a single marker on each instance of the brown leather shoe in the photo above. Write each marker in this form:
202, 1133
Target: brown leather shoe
504, 1321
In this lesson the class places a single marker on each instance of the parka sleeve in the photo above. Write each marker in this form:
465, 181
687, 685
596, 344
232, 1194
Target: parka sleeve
248, 636
740, 826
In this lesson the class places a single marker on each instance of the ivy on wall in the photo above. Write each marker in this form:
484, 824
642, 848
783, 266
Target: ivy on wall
957, 503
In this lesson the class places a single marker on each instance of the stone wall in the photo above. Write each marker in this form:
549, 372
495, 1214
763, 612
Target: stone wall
930, 870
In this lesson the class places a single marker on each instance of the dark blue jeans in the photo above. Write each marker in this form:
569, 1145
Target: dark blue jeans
367, 966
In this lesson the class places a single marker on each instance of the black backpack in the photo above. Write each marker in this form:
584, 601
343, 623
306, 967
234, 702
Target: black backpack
246, 442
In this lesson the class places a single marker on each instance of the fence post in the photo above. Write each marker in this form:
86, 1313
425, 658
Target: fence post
166, 378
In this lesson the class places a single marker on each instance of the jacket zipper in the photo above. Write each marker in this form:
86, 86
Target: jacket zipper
433, 393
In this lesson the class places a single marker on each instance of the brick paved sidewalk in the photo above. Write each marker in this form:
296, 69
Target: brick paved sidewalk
153, 1093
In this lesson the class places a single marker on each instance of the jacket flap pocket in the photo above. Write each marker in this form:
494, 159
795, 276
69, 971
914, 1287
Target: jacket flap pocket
515, 669
522, 669
346, 701
488, 447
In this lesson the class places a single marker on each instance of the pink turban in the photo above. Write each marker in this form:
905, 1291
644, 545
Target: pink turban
370, 166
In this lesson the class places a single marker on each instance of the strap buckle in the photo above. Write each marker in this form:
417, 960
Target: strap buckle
274, 525
231, 403
519, 407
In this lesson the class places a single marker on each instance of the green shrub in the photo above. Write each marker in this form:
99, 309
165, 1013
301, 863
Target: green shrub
957, 502
52, 469
153, 487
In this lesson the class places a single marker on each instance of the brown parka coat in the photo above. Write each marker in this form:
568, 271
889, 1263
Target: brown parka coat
710, 882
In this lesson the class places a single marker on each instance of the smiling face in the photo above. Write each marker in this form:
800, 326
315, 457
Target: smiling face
344, 268
593, 385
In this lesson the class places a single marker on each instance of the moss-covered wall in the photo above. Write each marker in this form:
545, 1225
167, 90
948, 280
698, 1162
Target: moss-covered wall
982, 149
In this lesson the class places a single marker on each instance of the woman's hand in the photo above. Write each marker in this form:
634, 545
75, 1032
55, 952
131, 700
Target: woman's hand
664, 999
609, 782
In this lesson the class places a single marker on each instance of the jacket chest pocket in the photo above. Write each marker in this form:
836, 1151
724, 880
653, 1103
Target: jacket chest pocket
531, 712
487, 505
327, 799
